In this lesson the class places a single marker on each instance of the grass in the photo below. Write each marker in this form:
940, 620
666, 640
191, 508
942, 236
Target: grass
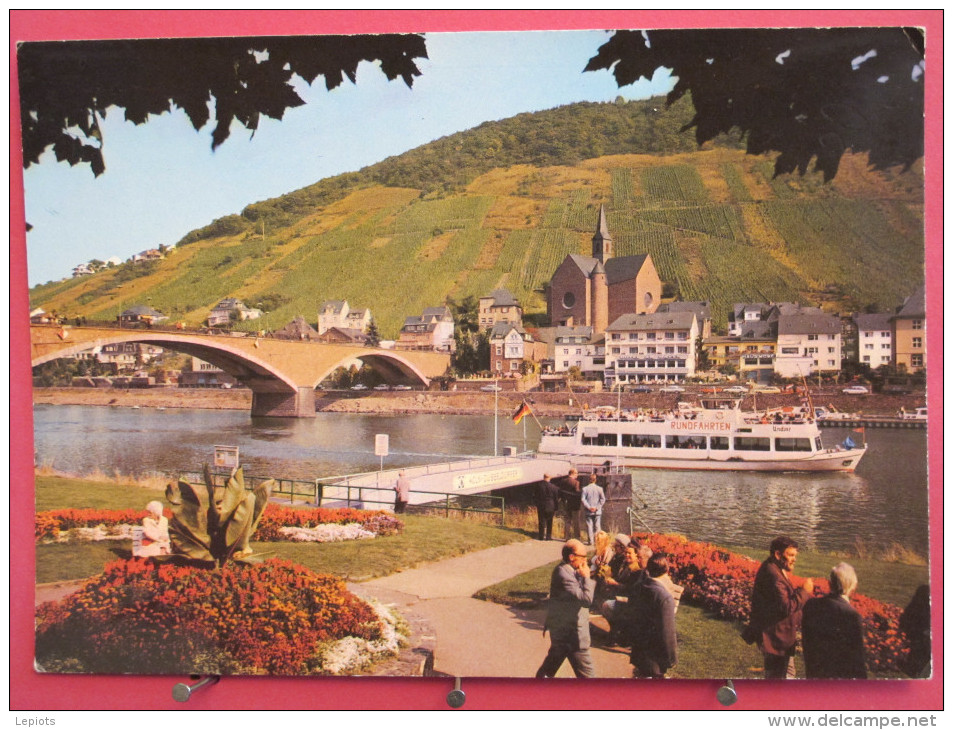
424, 539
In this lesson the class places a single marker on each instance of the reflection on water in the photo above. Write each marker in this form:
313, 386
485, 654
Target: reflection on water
884, 501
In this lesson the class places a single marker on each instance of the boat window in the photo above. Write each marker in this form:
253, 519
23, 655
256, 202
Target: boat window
752, 443
684, 442
817, 443
602, 439
792, 444
648, 441
719, 442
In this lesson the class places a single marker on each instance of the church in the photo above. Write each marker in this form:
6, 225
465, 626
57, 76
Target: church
596, 290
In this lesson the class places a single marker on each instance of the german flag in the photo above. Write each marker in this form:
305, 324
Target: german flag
523, 410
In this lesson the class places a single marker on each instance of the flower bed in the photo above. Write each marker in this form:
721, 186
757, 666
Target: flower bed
278, 524
271, 618
721, 582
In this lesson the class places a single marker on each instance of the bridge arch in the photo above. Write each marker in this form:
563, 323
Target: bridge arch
281, 374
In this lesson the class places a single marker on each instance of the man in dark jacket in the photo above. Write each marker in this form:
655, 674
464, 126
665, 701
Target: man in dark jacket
547, 497
567, 617
776, 609
833, 632
571, 493
652, 628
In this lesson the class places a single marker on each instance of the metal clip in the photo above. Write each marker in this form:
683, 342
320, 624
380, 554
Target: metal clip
726, 693
182, 691
456, 697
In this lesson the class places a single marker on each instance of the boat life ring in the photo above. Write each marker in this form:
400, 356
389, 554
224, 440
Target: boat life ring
719, 416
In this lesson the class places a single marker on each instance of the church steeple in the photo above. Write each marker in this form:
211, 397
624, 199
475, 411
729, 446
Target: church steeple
602, 240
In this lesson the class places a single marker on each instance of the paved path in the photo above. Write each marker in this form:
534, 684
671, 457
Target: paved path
477, 638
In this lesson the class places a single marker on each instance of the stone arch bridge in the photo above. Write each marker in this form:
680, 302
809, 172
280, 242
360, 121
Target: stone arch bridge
282, 374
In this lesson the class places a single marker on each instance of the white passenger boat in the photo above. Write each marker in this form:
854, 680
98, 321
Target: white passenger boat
716, 435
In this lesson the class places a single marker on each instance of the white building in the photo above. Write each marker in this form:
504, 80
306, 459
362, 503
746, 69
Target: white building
575, 348
874, 339
808, 344
337, 313
651, 348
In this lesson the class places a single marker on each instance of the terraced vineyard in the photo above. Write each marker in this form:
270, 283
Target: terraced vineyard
717, 225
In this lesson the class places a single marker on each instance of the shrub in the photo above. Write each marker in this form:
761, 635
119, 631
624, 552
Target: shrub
276, 516
49, 525
144, 617
721, 583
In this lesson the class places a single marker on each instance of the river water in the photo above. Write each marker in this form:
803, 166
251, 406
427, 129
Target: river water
884, 501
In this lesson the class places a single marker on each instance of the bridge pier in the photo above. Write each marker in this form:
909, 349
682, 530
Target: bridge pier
299, 404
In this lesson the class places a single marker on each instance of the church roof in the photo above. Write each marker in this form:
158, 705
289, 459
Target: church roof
624, 268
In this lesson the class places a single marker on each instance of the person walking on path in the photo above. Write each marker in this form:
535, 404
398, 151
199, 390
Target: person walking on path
593, 499
776, 607
547, 497
571, 493
402, 490
571, 592
652, 627
833, 632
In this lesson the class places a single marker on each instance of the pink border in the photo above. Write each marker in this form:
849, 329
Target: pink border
32, 691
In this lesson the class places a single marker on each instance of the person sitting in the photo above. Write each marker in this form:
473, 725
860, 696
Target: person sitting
633, 573
599, 566
155, 532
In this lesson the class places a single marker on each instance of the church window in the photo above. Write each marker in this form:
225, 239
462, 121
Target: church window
569, 300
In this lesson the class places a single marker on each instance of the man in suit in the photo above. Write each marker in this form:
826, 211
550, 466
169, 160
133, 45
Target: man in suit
571, 493
571, 591
547, 497
776, 609
833, 632
652, 627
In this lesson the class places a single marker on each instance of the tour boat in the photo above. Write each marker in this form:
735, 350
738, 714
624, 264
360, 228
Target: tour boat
715, 435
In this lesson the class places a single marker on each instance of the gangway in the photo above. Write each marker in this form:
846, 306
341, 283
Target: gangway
433, 482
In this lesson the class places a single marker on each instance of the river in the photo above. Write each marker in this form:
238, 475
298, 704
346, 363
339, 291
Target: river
883, 502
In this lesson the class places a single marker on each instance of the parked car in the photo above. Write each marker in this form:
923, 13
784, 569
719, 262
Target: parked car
766, 389
359, 386
639, 389
737, 389
856, 390
671, 389
402, 387
491, 388
382, 386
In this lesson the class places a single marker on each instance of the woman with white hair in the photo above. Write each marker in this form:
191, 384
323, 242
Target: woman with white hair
833, 632
155, 532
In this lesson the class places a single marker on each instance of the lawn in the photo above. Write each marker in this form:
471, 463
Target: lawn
424, 539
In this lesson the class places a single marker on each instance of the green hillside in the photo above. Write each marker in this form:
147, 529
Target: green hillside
502, 205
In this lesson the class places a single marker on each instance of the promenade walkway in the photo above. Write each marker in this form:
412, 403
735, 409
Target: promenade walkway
477, 638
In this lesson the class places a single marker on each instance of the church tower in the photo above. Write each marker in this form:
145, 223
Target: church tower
600, 299
602, 240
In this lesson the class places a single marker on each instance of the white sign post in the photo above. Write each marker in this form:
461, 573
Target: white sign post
226, 457
381, 444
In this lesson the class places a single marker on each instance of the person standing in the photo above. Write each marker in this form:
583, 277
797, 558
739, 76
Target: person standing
571, 493
593, 499
776, 607
833, 632
402, 490
547, 497
571, 592
652, 622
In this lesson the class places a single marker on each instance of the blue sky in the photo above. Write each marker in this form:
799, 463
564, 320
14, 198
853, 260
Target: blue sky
162, 180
